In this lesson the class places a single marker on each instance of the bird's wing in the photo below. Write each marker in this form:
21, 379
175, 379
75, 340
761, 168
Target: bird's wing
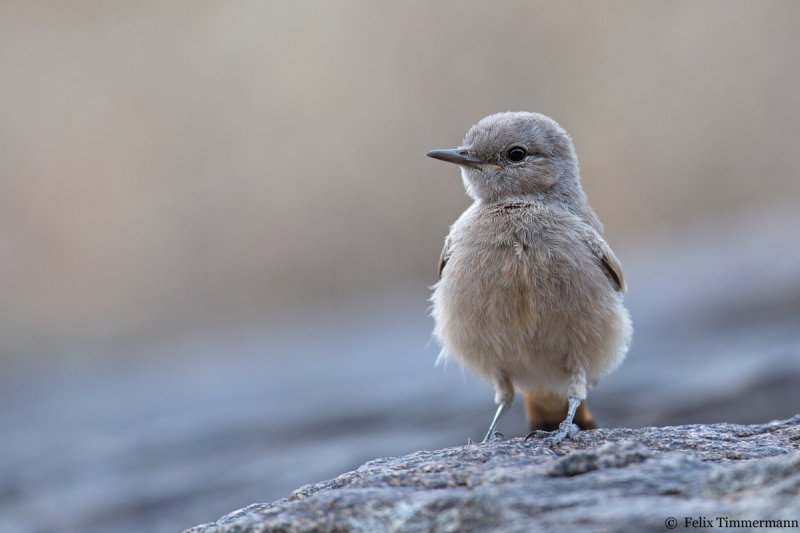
445, 255
608, 261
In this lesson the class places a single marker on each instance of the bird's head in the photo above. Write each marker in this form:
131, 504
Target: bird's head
514, 154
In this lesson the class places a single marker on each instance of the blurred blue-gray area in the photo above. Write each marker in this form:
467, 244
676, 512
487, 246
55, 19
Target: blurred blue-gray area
217, 229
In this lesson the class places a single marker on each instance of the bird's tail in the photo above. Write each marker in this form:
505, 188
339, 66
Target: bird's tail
545, 411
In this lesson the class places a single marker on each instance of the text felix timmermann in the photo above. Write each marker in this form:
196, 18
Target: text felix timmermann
724, 521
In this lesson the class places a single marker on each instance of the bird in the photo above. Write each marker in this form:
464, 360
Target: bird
529, 296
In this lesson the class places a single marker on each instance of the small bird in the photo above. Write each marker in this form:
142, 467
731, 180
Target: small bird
529, 295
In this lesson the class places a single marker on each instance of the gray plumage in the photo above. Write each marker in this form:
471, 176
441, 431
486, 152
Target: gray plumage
529, 295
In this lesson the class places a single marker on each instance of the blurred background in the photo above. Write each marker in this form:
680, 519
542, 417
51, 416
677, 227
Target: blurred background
217, 229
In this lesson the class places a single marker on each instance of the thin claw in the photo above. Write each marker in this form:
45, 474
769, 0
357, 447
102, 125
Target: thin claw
492, 435
539, 434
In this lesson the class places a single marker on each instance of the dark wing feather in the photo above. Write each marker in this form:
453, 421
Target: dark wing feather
608, 261
444, 256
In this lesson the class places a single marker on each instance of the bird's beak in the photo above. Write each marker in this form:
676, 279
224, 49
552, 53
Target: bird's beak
458, 156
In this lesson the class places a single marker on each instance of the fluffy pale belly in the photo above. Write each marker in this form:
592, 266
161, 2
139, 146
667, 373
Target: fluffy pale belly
535, 328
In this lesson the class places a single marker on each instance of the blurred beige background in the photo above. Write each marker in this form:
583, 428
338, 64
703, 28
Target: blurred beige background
170, 166
217, 226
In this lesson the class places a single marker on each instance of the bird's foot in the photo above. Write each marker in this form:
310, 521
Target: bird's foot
566, 430
495, 437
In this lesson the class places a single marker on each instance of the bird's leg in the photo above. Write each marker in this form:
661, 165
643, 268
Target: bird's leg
566, 429
504, 395
501, 409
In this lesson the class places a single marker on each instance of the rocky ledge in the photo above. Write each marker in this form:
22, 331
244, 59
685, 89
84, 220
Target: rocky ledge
651, 479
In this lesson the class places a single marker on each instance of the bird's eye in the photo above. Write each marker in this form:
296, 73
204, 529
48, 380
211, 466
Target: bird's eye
517, 154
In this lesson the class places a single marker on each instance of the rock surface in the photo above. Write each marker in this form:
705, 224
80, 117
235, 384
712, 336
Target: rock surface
615, 480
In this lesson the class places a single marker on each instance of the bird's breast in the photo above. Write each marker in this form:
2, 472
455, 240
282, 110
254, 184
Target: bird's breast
510, 269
